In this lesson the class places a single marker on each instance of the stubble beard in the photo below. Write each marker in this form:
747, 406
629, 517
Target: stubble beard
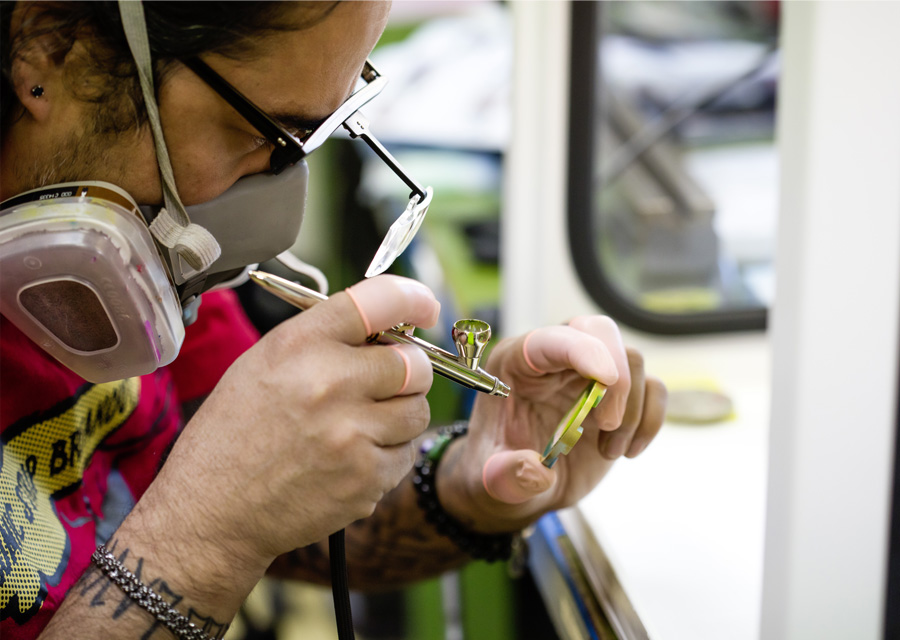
81, 156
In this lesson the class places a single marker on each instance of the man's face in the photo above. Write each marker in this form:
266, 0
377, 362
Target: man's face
296, 76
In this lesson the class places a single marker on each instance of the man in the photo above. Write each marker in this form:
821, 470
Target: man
309, 430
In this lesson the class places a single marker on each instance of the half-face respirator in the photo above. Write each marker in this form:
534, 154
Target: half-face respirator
83, 277
87, 274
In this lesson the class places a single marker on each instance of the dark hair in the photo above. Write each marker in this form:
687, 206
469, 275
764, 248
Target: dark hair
107, 76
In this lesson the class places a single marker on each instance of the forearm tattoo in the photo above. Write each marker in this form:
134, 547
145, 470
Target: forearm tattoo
101, 592
395, 546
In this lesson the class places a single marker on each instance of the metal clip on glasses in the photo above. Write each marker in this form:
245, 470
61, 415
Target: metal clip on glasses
470, 336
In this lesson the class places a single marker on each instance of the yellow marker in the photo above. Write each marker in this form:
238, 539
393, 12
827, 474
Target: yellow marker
569, 429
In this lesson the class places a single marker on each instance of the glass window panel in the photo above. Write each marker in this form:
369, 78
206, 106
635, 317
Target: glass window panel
673, 192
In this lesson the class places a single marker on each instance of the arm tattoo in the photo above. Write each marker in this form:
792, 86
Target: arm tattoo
395, 546
103, 592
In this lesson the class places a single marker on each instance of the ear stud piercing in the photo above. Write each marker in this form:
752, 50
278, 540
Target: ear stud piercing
37, 91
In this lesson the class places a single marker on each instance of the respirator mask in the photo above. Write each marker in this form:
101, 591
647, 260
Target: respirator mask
106, 287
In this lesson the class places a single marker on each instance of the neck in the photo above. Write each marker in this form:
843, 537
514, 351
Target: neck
19, 162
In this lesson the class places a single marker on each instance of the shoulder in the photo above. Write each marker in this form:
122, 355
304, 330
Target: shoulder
221, 333
32, 379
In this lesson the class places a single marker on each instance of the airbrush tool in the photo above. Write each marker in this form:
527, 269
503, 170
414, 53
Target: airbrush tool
469, 336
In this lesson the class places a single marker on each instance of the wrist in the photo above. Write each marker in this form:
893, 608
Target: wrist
153, 600
481, 546
172, 545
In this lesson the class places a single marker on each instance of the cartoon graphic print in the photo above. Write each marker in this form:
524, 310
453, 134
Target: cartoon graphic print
42, 461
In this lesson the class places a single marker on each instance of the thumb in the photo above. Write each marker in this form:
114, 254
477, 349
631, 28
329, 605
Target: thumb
516, 476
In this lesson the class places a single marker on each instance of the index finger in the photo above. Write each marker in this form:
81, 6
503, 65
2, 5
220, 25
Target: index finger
378, 304
592, 346
562, 348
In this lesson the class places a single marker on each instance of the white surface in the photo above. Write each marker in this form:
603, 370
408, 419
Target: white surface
835, 323
683, 523
533, 240
448, 83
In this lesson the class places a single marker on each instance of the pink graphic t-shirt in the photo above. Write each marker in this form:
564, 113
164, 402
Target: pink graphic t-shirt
76, 456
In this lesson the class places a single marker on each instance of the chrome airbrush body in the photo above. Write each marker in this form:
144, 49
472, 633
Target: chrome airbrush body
470, 337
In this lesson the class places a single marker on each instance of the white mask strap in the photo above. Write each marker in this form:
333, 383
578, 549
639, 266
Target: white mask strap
172, 227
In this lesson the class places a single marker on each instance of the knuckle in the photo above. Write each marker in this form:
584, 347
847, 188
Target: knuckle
321, 389
412, 421
332, 313
402, 463
410, 452
318, 390
277, 342
292, 335
420, 363
326, 382
344, 437
365, 509
419, 413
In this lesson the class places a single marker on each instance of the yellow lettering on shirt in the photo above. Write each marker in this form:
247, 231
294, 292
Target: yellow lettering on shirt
39, 462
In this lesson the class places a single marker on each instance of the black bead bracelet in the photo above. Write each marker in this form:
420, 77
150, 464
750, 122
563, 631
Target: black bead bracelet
478, 545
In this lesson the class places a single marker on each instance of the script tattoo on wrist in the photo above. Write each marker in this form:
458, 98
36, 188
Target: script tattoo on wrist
103, 592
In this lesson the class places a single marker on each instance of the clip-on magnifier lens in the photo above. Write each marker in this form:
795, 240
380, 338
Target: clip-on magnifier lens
400, 234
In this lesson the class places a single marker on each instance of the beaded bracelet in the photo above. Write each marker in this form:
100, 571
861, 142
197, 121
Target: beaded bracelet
478, 545
145, 597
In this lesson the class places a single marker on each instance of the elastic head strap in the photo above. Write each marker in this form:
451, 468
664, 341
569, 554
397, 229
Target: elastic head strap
172, 227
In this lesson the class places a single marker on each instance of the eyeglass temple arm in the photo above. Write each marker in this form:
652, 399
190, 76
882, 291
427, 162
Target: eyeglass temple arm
358, 127
375, 83
260, 120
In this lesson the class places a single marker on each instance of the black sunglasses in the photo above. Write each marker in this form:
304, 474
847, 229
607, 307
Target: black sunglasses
288, 149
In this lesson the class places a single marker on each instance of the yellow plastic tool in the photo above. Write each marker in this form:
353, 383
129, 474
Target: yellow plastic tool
569, 429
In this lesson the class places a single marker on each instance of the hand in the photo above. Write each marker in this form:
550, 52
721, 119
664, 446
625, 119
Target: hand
495, 480
308, 430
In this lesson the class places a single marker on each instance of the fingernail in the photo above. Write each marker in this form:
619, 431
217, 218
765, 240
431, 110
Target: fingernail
525, 481
530, 479
615, 446
637, 446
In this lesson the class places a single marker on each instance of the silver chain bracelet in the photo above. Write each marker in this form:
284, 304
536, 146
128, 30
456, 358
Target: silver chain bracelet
145, 597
